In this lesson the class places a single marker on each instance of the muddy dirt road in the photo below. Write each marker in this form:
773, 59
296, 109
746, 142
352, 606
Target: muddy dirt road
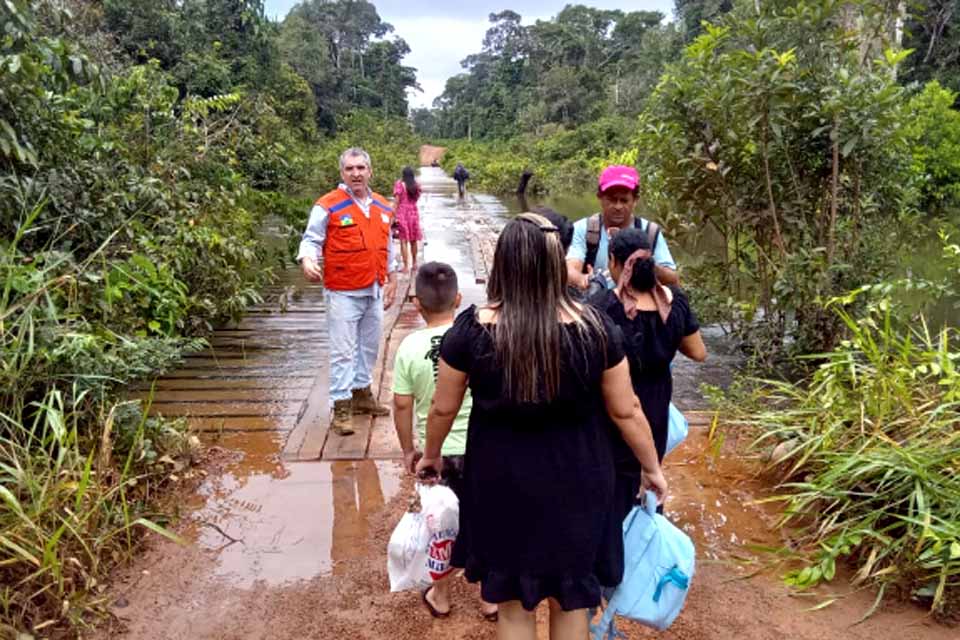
279, 548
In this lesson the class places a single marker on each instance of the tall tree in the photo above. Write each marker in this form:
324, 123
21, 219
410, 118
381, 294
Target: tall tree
933, 32
340, 48
693, 13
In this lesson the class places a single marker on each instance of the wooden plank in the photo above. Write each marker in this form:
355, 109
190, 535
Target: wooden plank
292, 311
203, 409
318, 332
299, 382
383, 435
292, 368
274, 394
254, 345
480, 273
305, 361
241, 424
352, 447
310, 430
274, 323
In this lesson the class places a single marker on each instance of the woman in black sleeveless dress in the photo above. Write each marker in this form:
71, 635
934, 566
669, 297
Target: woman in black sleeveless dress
536, 517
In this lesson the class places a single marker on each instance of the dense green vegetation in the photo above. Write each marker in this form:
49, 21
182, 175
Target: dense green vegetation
142, 147
781, 135
144, 143
867, 445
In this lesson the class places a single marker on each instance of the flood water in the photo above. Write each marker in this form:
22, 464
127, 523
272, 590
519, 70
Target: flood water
293, 520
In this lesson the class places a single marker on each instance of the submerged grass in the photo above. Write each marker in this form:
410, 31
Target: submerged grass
867, 451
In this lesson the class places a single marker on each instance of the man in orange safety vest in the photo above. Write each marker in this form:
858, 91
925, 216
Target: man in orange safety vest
347, 246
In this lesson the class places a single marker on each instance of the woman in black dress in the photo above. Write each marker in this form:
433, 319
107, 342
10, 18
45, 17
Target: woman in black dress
536, 516
656, 321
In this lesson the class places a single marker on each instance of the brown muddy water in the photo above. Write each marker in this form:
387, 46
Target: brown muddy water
290, 520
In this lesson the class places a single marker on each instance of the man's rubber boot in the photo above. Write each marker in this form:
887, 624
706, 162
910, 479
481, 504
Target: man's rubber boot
342, 424
365, 403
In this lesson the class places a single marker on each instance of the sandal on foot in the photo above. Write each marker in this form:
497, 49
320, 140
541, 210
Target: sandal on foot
433, 610
492, 616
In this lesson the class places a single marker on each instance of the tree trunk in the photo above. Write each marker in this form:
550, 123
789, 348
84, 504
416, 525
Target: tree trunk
777, 236
834, 192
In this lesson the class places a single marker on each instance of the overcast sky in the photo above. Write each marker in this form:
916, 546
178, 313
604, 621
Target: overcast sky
441, 33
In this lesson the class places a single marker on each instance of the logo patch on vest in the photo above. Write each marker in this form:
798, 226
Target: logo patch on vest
346, 220
385, 218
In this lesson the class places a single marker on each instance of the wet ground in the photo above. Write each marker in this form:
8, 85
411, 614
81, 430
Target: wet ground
284, 544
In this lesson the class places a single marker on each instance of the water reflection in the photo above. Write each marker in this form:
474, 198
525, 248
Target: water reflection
294, 525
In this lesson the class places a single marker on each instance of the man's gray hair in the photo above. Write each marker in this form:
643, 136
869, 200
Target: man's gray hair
354, 151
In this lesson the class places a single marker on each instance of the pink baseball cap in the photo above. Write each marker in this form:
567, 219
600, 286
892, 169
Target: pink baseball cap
619, 175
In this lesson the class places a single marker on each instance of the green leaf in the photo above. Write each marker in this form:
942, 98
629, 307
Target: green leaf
848, 147
166, 533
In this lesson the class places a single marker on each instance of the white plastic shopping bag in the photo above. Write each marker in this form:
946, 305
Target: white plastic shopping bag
419, 549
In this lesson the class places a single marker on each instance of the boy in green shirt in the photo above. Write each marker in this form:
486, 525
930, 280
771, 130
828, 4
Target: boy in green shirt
414, 382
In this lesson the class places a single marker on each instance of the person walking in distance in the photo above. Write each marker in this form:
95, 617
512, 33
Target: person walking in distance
461, 175
406, 192
347, 246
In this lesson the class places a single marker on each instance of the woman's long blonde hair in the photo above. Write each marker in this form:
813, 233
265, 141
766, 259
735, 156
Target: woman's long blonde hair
528, 289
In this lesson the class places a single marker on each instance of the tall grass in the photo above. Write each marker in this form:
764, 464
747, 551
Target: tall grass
78, 470
868, 452
70, 514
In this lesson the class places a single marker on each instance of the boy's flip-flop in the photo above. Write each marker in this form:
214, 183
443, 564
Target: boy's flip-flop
492, 616
433, 611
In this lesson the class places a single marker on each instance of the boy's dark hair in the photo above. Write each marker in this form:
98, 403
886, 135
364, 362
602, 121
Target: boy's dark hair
436, 287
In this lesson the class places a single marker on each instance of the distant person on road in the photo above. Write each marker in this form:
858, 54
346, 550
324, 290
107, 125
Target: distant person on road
347, 246
406, 192
536, 515
618, 191
657, 321
461, 175
414, 382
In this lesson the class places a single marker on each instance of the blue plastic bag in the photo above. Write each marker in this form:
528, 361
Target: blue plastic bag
658, 567
677, 428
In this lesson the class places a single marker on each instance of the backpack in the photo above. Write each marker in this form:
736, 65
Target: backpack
595, 226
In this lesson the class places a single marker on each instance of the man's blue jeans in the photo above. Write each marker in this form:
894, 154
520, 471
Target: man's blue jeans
354, 328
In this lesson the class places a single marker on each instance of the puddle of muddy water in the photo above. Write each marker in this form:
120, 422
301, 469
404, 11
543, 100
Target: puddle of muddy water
713, 498
292, 521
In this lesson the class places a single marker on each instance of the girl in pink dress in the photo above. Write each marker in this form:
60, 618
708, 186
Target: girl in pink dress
406, 192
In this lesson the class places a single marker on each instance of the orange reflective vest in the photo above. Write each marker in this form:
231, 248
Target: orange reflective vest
355, 250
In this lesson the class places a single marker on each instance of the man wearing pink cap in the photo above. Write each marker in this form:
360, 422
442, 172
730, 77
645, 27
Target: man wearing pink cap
618, 191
